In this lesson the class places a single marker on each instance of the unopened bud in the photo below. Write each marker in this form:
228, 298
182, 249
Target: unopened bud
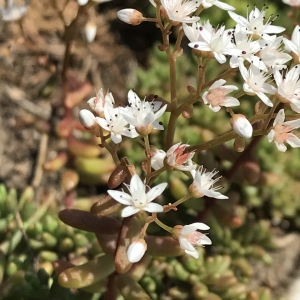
239, 144
188, 111
136, 250
87, 119
130, 16
90, 31
241, 126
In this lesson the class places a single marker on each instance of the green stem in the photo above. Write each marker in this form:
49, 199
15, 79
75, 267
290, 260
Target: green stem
163, 226
240, 94
221, 140
183, 199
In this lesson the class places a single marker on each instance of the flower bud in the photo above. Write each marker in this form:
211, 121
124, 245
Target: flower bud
87, 119
239, 144
136, 250
241, 126
130, 16
90, 31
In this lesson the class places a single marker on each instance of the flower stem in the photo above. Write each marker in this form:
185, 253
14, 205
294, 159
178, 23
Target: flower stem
163, 226
183, 199
148, 153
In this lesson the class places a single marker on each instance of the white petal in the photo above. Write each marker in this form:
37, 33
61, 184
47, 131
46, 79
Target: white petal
264, 99
193, 253
214, 194
136, 184
185, 244
217, 84
281, 147
279, 119
224, 6
205, 240
293, 141
271, 136
156, 191
221, 58
153, 207
116, 138
129, 211
193, 227
103, 123
121, 197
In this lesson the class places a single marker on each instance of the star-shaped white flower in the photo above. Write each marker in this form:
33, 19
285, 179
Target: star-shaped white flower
218, 42
281, 132
255, 83
115, 123
203, 184
216, 97
143, 115
138, 199
181, 10
188, 237
293, 45
246, 45
271, 55
255, 24
289, 87
222, 5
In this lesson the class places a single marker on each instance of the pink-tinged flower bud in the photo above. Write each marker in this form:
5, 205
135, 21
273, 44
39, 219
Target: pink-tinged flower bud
82, 2
241, 126
130, 16
90, 31
87, 119
136, 250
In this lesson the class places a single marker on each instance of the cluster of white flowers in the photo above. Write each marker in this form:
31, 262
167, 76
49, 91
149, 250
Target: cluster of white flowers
138, 117
256, 52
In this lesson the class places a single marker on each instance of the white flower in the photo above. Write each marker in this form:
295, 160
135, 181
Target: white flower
13, 12
216, 97
136, 250
142, 115
87, 119
222, 5
176, 159
115, 123
130, 16
254, 24
188, 237
219, 42
281, 132
255, 83
294, 44
180, 10
246, 45
97, 103
138, 199
157, 158
289, 87
241, 126
193, 32
203, 184
271, 55
90, 31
